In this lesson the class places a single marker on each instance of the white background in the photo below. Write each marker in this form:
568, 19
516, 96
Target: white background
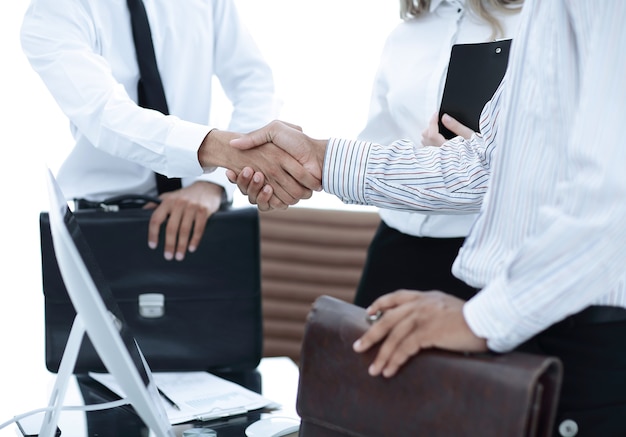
324, 54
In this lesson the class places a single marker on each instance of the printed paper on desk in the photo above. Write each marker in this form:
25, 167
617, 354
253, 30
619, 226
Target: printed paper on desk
198, 395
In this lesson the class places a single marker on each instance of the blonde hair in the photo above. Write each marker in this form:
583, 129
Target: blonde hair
413, 8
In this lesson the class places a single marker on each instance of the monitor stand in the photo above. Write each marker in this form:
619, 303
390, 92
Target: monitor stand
64, 374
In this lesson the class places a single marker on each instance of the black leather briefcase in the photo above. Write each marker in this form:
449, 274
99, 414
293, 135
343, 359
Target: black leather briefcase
435, 394
202, 313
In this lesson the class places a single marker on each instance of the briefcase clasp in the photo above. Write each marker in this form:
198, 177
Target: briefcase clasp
151, 305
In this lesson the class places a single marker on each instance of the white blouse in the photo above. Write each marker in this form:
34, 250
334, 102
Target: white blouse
408, 89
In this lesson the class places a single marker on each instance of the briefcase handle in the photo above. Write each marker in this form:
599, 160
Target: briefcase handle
115, 203
131, 201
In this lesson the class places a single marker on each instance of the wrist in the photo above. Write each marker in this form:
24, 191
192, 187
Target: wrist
319, 150
215, 150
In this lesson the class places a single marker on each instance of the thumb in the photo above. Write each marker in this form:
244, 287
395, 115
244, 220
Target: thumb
456, 126
251, 140
261, 136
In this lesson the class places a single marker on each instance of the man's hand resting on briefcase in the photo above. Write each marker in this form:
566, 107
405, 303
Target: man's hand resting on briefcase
186, 211
412, 321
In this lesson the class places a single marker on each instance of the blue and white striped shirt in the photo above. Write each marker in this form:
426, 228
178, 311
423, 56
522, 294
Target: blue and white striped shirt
550, 185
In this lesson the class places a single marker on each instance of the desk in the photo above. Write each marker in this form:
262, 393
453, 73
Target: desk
279, 382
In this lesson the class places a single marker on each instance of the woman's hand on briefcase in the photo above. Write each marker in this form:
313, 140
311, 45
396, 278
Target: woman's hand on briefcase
186, 212
412, 321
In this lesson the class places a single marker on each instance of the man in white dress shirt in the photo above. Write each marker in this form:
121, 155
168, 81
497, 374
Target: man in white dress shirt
85, 54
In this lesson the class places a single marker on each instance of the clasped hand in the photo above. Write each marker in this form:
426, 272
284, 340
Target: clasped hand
290, 138
310, 153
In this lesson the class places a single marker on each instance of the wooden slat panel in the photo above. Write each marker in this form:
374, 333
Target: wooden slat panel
275, 347
319, 253
295, 291
310, 272
306, 253
285, 330
284, 309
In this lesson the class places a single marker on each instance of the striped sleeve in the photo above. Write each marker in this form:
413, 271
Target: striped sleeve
449, 179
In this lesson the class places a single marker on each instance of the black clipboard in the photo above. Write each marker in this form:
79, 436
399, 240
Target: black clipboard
474, 73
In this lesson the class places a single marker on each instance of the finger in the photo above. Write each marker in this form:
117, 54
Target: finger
231, 175
378, 330
390, 347
302, 181
282, 195
456, 126
171, 232
385, 304
284, 180
184, 230
264, 200
243, 180
431, 135
392, 300
253, 185
154, 227
408, 347
372, 336
199, 225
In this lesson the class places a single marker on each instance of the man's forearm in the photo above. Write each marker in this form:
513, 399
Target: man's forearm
215, 150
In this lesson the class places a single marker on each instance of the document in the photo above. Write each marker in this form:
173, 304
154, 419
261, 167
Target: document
189, 396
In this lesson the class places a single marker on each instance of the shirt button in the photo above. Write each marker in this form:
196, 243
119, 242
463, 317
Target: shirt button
568, 428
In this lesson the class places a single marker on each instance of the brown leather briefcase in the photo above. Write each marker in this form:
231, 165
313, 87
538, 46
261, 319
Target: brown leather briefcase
436, 393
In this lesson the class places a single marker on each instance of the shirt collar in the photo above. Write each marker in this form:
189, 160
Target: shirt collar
434, 4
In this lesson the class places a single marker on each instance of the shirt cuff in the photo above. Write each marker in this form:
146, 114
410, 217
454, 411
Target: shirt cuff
184, 141
344, 173
490, 315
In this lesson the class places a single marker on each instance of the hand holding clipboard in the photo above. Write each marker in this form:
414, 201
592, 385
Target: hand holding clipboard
474, 73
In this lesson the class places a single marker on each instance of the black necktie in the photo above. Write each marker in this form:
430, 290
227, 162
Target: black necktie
149, 88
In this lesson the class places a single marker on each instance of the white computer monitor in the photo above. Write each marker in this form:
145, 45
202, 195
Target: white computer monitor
98, 315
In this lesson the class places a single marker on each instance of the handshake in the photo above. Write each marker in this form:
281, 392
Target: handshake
278, 165
274, 166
